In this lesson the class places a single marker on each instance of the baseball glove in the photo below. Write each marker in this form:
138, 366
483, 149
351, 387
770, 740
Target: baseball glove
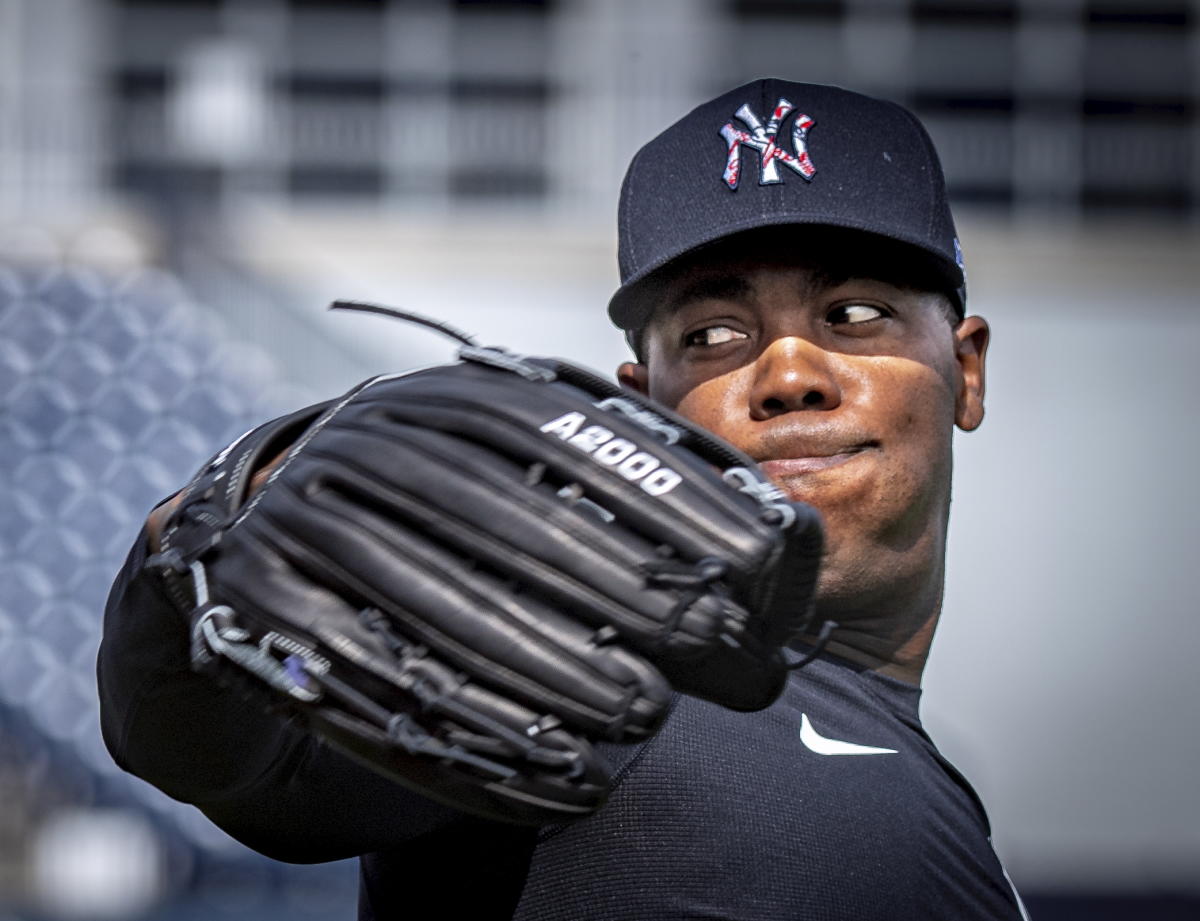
465, 575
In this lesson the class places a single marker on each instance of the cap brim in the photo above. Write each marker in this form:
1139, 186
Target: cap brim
631, 305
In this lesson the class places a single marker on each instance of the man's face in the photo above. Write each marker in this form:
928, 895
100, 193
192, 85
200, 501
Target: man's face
845, 390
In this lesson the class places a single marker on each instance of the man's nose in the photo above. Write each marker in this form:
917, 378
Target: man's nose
792, 374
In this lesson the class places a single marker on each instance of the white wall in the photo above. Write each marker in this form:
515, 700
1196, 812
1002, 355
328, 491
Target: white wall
1064, 679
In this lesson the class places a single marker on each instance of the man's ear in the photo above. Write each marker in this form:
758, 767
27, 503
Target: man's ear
635, 376
971, 338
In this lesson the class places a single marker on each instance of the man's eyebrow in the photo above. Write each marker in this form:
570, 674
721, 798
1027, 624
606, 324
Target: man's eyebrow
734, 286
712, 287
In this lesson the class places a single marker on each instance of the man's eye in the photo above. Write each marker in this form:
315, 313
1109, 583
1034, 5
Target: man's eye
712, 335
855, 313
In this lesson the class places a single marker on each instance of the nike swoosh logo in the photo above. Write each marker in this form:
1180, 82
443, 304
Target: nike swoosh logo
815, 742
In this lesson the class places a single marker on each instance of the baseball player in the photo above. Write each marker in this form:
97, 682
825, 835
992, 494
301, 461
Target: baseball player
792, 284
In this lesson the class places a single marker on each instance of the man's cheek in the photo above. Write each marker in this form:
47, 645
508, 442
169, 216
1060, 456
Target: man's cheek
917, 395
714, 408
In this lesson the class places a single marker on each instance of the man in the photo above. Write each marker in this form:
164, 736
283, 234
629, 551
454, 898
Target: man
791, 281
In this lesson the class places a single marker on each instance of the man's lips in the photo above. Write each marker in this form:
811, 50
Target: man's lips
783, 467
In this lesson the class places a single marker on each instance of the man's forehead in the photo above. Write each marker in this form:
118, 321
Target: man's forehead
740, 279
816, 261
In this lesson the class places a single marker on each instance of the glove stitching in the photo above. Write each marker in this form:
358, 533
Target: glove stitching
325, 418
235, 477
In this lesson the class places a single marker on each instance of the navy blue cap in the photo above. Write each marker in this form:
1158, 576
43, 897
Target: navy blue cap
774, 153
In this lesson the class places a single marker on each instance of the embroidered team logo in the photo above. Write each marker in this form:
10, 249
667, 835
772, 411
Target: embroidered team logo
762, 138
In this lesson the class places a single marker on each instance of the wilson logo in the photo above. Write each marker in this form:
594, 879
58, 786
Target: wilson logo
620, 454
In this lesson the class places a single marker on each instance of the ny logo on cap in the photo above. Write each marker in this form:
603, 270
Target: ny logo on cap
763, 140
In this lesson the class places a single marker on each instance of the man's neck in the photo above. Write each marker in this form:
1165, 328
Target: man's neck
892, 639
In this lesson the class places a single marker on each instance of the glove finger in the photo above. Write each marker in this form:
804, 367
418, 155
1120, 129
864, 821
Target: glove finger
402, 712
475, 750
509, 642
565, 553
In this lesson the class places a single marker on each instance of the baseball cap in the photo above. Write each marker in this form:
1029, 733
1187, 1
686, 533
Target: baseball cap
774, 153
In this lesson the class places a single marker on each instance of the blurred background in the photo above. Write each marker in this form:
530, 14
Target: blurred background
185, 185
